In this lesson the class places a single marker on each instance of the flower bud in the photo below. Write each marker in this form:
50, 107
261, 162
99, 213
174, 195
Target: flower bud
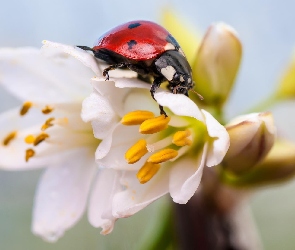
286, 88
251, 138
217, 63
278, 166
186, 35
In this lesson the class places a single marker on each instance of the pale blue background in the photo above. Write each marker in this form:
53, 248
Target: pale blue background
267, 31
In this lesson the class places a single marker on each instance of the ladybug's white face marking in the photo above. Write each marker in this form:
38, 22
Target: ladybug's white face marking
169, 46
168, 72
181, 79
189, 80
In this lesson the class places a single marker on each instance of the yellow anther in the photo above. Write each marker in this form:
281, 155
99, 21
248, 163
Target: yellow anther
9, 138
137, 151
47, 124
154, 125
163, 155
147, 172
40, 138
30, 139
29, 154
47, 109
25, 108
137, 117
180, 138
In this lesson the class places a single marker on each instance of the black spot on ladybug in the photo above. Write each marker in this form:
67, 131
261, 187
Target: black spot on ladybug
171, 39
131, 43
133, 25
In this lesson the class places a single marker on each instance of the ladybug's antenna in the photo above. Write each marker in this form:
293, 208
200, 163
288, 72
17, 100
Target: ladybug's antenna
199, 95
85, 48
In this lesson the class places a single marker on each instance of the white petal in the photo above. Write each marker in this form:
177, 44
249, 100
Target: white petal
137, 196
256, 118
125, 94
100, 205
29, 75
220, 145
61, 195
179, 104
117, 144
131, 83
105, 145
115, 96
87, 59
61, 138
185, 177
98, 110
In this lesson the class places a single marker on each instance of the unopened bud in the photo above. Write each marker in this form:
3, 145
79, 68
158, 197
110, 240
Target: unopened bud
251, 138
217, 63
286, 88
278, 166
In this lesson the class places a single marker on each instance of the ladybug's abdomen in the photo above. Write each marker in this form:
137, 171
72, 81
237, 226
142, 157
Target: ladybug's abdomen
137, 40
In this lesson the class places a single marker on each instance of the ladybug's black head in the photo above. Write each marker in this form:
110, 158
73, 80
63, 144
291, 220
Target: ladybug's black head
175, 68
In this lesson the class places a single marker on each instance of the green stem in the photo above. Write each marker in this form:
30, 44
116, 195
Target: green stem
163, 236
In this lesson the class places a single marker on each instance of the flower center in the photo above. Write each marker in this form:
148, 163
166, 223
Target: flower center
162, 150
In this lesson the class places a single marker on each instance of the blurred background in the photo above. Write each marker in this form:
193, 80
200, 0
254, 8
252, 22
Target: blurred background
266, 29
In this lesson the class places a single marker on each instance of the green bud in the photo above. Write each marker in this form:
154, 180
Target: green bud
286, 88
251, 138
217, 63
186, 35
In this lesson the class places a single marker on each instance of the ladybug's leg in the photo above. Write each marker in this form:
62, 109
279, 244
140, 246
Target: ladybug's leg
112, 67
155, 85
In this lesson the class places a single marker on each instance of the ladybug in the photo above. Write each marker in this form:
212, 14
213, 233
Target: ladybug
148, 49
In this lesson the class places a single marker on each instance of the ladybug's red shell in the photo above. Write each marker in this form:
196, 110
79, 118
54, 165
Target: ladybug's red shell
137, 40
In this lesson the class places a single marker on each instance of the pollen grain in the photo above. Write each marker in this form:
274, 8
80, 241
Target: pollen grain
136, 117
137, 151
25, 108
9, 138
163, 155
29, 154
147, 172
40, 138
154, 125
47, 110
180, 138
47, 124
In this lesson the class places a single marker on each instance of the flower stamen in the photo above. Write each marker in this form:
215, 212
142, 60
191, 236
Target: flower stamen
30, 139
180, 138
137, 151
9, 138
159, 144
137, 117
47, 124
40, 138
29, 154
154, 125
147, 171
25, 108
163, 155
47, 109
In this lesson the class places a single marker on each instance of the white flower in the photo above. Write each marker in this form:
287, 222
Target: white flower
47, 131
156, 155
